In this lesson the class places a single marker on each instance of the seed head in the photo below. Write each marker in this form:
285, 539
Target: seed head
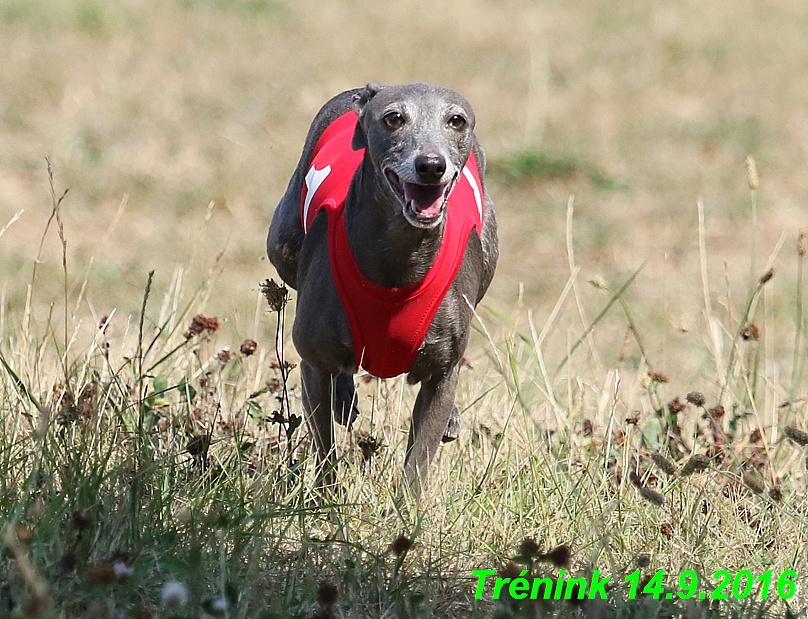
658, 377
217, 606
756, 436
767, 275
275, 294
776, 494
175, 594
752, 173
798, 436
248, 347
696, 398
200, 324
369, 446
696, 464
751, 332
652, 496
802, 243
122, 570
643, 560
663, 463
676, 406
529, 548
666, 528
401, 545
558, 556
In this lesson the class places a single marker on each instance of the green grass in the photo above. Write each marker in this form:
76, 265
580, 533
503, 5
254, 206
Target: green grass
528, 164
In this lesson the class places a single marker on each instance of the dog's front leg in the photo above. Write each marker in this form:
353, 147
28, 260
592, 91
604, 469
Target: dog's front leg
430, 416
318, 406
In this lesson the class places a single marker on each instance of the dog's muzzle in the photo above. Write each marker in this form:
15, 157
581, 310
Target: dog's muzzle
423, 205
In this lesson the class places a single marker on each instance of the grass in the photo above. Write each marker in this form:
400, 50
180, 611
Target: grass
141, 452
132, 457
536, 164
532, 165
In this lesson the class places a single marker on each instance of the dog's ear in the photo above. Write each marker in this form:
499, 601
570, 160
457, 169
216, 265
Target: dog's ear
360, 100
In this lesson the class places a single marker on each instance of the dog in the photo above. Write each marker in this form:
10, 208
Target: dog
390, 239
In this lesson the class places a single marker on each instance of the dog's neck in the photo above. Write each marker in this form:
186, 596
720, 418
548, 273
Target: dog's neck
388, 250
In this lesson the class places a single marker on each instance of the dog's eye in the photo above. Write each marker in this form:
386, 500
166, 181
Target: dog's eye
394, 120
456, 122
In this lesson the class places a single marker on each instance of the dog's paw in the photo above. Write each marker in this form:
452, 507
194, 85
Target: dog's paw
345, 410
345, 413
453, 427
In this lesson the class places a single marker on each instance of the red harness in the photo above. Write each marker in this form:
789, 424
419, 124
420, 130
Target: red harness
388, 325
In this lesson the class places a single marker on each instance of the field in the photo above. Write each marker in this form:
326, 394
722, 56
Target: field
634, 392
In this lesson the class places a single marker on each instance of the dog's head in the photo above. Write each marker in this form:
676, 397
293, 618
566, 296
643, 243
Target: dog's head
418, 138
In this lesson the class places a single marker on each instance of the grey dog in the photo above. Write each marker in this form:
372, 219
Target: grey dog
414, 146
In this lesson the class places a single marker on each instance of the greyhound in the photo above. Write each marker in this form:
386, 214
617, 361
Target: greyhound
390, 239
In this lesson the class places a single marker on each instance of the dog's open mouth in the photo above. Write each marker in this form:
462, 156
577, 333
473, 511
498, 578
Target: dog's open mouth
423, 204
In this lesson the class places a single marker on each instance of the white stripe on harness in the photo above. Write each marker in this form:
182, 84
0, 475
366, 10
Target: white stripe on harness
476, 189
314, 179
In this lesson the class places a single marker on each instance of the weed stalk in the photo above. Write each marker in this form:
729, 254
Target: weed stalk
797, 364
57, 203
137, 480
277, 296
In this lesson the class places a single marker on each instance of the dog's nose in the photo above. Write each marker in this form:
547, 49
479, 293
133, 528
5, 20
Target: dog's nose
430, 167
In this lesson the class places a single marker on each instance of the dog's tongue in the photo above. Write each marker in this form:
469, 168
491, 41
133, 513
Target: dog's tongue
426, 199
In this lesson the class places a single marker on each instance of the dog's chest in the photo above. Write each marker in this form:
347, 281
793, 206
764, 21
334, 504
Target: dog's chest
388, 325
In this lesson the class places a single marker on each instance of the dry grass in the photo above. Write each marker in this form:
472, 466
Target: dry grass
176, 128
205, 102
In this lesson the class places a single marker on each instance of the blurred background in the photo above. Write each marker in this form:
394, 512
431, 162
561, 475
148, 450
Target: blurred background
176, 124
